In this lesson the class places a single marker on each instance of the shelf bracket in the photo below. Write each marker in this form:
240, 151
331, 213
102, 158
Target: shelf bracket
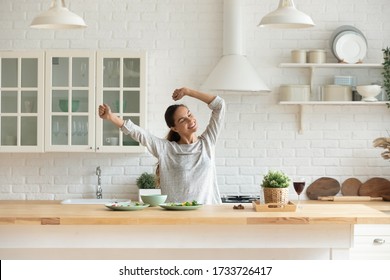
312, 69
301, 119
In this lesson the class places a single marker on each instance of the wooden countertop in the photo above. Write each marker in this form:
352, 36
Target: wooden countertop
54, 213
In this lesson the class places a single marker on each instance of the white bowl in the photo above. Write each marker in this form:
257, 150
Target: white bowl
154, 199
368, 92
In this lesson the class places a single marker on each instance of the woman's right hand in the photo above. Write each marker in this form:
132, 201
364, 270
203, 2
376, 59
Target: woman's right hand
104, 111
106, 114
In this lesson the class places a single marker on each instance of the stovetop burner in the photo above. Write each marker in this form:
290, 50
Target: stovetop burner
239, 198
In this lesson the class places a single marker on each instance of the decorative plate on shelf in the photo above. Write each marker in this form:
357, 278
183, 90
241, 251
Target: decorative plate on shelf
350, 47
343, 28
126, 206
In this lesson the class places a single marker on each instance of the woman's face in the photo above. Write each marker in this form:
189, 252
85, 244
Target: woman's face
185, 122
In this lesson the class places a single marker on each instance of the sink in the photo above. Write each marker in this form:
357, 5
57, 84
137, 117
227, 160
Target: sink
92, 201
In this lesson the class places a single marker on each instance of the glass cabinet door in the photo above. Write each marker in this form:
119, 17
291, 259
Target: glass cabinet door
70, 102
121, 84
21, 101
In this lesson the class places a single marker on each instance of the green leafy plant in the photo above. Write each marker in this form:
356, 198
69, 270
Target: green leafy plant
386, 72
275, 179
146, 181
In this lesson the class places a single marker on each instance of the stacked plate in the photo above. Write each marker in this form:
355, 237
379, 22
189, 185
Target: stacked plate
348, 44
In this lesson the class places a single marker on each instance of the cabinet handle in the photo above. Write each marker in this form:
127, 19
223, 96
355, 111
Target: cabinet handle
379, 241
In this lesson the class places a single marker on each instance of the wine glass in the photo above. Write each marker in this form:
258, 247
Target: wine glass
299, 186
83, 69
56, 128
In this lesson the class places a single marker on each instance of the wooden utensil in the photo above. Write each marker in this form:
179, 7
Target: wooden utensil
349, 198
375, 187
350, 187
323, 186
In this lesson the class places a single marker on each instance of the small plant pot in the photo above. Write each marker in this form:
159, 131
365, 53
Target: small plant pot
276, 195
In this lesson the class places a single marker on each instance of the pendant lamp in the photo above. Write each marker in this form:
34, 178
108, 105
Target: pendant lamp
58, 17
286, 16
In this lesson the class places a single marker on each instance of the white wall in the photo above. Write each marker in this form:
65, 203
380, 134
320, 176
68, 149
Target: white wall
183, 39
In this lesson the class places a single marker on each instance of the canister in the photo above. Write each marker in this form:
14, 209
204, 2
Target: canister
337, 93
294, 92
298, 56
317, 56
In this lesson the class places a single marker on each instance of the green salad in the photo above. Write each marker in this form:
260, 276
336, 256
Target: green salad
186, 203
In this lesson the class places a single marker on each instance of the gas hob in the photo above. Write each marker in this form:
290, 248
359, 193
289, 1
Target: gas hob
239, 198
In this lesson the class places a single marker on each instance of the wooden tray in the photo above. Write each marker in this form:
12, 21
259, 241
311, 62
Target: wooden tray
274, 207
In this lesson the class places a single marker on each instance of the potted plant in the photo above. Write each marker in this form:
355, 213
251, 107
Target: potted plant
147, 184
275, 187
386, 72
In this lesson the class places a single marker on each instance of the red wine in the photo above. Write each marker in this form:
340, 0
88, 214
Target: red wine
299, 186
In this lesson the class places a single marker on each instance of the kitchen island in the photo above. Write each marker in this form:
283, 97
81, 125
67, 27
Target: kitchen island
50, 230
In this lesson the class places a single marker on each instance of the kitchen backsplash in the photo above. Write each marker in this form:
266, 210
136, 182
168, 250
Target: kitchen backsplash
183, 40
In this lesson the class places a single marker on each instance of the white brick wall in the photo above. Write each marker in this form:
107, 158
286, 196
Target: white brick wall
183, 41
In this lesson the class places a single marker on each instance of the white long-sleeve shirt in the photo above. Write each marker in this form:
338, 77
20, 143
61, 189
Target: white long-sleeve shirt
187, 171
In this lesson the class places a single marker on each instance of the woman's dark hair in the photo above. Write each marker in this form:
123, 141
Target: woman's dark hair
172, 135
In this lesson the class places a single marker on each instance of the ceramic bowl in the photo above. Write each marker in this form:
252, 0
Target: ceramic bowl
368, 92
154, 199
64, 105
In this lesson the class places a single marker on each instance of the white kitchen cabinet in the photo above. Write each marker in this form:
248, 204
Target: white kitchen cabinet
70, 101
76, 83
371, 242
21, 101
121, 83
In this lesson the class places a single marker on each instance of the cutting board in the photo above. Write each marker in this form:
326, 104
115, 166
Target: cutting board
350, 187
375, 187
323, 186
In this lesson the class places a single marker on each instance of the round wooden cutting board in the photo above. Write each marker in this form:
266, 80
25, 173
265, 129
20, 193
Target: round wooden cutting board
350, 187
323, 186
375, 187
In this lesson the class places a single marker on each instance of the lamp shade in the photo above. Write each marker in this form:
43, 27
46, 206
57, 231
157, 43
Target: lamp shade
58, 17
286, 16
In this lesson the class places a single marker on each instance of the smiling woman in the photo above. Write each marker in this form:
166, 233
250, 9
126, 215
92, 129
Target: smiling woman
186, 162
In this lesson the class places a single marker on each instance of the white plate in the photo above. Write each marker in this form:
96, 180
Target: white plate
179, 206
126, 206
341, 29
350, 47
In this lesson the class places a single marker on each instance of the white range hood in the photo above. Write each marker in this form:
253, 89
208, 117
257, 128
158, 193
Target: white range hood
233, 72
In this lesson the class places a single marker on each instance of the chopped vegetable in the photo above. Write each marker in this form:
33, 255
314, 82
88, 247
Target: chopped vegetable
186, 203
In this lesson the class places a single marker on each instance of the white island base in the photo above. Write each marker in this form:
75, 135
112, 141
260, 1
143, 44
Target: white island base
264, 241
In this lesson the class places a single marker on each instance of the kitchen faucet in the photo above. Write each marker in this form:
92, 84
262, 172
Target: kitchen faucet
99, 191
